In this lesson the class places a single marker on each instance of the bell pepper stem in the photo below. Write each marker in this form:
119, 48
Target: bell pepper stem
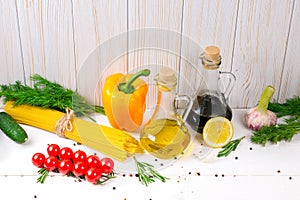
265, 98
127, 87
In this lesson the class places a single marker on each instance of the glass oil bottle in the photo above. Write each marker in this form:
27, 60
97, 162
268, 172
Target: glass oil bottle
211, 101
165, 136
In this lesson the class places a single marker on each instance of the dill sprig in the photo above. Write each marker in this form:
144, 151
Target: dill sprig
284, 131
280, 132
290, 108
147, 174
47, 94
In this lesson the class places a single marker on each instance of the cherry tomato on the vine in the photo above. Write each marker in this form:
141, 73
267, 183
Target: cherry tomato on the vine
38, 159
53, 150
93, 174
66, 153
65, 166
93, 161
51, 163
107, 165
80, 168
79, 156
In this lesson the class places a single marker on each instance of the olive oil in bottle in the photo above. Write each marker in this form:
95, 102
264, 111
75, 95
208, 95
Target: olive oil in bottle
165, 136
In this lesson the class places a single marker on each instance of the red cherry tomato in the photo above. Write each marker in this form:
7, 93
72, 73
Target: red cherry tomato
92, 175
38, 159
51, 163
107, 165
53, 150
65, 153
80, 168
65, 166
93, 161
79, 156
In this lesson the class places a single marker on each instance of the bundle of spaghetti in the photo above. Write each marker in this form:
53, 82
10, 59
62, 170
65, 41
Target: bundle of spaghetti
112, 142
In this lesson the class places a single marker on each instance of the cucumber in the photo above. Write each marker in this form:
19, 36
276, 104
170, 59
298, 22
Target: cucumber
12, 129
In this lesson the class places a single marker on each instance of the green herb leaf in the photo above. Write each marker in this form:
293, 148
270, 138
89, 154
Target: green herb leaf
284, 131
43, 172
230, 147
290, 108
147, 174
43, 175
280, 132
48, 94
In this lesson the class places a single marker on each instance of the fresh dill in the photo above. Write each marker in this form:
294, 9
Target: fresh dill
47, 94
284, 131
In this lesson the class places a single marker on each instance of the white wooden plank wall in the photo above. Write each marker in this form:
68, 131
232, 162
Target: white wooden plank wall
79, 43
154, 38
46, 34
97, 25
260, 46
216, 27
290, 81
11, 65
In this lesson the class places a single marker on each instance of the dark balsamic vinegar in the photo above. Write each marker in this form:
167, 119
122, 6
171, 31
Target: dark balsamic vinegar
204, 108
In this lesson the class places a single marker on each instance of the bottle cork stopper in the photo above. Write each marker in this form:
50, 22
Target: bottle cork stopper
167, 74
212, 53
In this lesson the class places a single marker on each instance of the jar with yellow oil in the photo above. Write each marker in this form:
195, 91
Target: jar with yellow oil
166, 136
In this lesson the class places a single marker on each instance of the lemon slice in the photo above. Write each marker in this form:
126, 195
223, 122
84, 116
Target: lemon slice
217, 132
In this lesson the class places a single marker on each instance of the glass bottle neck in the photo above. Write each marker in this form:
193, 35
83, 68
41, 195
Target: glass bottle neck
165, 103
210, 72
211, 81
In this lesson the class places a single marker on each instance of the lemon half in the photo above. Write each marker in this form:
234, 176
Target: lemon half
217, 132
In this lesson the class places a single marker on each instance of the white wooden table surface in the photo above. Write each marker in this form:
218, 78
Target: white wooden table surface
251, 172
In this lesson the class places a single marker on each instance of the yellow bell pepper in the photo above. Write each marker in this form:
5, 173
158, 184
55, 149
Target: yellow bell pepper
124, 100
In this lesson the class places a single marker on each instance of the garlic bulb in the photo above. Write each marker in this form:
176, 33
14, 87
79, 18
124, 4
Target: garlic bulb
260, 116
